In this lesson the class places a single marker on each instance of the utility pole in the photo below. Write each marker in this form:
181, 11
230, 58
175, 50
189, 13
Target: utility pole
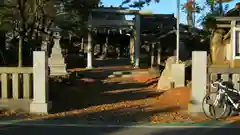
194, 13
177, 32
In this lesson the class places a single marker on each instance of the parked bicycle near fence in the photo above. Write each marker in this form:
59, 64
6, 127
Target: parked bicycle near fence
221, 103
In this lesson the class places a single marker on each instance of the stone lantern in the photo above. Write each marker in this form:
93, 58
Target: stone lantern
56, 61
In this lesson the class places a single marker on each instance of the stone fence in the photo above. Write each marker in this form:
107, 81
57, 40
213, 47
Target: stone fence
203, 75
225, 73
26, 88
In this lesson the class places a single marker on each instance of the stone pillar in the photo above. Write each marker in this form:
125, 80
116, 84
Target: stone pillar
199, 80
40, 103
131, 49
159, 55
89, 45
152, 55
56, 61
178, 75
137, 42
89, 52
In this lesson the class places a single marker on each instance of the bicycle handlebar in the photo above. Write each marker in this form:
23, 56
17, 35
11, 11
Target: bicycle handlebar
217, 84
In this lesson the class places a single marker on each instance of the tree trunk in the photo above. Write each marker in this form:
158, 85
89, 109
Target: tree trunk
20, 42
82, 45
105, 48
190, 14
190, 18
212, 8
159, 55
220, 8
70, 39
131, 49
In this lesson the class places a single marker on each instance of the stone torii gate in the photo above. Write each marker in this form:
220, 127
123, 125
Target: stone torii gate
101, 22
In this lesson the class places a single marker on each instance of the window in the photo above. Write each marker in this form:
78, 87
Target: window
236, 43
237, 53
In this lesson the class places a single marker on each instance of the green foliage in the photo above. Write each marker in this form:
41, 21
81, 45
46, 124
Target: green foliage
28, 17
7, 12
73, 15
138, 3
208, 20
29, 21
197, 9
210, 2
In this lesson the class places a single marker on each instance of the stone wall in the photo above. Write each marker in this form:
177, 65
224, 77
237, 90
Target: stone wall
33, 96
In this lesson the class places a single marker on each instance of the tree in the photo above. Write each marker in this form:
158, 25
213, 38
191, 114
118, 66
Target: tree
216, 9
138, 3
191, 7
31, 21
217, 36
73, 15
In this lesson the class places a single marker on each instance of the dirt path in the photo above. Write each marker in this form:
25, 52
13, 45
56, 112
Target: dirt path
122, 100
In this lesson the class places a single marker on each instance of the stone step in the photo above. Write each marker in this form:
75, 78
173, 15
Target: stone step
123, 76
56, 65
130, 72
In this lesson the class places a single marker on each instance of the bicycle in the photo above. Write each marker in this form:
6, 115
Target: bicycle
226, 97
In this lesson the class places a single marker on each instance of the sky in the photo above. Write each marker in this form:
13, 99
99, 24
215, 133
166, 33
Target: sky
164, 7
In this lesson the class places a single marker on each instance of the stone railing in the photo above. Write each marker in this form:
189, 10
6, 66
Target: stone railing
16, 87
17, 77
225, 73
26, 88
203, 75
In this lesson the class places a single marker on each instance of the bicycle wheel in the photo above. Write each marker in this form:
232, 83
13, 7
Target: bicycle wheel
213, 112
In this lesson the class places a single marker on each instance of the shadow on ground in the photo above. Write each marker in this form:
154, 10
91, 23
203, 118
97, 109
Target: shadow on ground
122, 101
73, 61
96, 73
78, 94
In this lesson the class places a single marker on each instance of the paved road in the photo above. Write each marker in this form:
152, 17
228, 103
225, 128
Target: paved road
76, 129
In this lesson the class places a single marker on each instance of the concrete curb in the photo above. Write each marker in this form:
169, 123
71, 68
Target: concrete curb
208, 124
